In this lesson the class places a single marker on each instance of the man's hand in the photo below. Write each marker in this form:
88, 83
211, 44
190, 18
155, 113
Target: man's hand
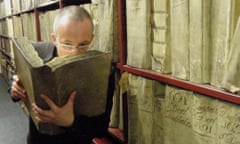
17, 90
61, 116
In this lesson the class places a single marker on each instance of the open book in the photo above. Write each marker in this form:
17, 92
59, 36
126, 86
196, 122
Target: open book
86, 73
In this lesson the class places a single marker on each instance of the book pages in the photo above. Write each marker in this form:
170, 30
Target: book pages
138, 33
199, 40
179, 27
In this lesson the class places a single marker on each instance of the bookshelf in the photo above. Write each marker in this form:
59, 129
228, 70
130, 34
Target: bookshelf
205, 89
165, 78
35, 11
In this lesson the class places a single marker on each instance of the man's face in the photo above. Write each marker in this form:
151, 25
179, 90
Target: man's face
73, 37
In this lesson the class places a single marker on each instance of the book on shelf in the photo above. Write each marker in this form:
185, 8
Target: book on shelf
179, 39
86, 73
46, 24
199, 40
231, 79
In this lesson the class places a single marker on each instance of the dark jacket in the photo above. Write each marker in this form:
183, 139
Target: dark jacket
84, 129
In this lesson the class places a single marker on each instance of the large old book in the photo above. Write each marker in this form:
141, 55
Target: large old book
179, 35
161, 52
139, 33
199, 40
86, 73
224, 16
231, 79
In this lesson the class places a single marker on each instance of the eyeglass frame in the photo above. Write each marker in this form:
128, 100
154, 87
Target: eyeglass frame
70, 47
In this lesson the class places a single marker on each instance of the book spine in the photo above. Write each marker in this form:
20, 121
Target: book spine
199, 40
139, 33
179, 26
161, 53
220, 37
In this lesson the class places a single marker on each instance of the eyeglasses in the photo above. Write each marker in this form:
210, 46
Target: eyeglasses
71, 47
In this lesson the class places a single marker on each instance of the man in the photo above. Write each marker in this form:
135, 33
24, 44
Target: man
73, 33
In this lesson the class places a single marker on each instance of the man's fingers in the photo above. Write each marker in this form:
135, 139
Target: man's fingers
50, 103
43, 119
15, 93
40, 112
15, 78
18, 87
71, 98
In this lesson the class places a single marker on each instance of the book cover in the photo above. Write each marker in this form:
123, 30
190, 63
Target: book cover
86, 73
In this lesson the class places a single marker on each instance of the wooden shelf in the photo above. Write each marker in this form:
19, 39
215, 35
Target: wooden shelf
113, 138
6, 54
199, 88
74, 2
9, 62
101, 141
24, 11
5, 36
17, 14
51, 5
116, 134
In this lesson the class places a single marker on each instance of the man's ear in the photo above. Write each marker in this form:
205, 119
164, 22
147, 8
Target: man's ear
54, 38
92, 37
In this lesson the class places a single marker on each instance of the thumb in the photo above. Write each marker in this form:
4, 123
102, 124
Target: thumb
71, 98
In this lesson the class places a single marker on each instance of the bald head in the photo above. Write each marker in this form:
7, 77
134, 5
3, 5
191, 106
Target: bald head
70, 13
